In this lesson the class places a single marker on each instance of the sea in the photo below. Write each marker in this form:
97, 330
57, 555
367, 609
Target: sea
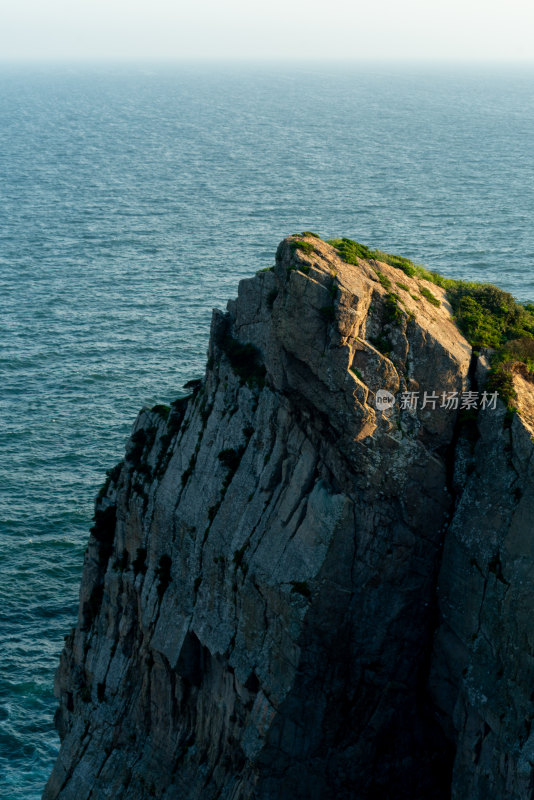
133, 198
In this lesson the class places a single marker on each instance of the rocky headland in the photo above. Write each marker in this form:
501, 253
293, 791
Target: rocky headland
289, 593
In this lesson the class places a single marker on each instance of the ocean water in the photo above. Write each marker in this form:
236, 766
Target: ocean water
132, 200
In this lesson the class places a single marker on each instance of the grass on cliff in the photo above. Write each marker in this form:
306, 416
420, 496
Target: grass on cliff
486, 315
245, 360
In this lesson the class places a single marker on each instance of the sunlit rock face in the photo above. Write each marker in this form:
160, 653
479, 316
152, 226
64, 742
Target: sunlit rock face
260, 611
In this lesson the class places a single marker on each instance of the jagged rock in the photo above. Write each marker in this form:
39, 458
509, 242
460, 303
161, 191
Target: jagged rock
258, 602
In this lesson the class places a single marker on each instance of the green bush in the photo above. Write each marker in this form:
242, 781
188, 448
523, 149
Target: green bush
384, 280
500, 380
305, 268
429, 296
142, 440
407, 266
306, 247
104, 528
520, 350
350, 251
112, 476
162, 410
382, 343
174, 422
486, 315
392, 311
245, 360
231, 457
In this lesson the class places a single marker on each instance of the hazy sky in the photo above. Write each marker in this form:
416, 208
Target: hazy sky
459, 30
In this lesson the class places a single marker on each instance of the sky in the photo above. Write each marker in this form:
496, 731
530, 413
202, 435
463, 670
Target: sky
410, 30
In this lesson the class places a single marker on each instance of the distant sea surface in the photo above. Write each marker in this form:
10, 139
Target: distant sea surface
132, 200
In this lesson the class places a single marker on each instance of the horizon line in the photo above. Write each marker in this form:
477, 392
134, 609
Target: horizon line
270, 60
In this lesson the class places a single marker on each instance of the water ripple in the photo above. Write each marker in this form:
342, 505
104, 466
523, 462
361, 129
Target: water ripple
132, 203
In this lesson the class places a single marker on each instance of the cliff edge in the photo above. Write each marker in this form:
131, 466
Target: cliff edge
291, 593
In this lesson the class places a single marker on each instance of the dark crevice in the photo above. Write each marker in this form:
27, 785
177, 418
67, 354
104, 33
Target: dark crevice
465, 427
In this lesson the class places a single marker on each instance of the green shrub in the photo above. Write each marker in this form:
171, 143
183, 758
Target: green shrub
350, 251
391, 307
500, 380
174, 422
231, 457
142, 440
382, 343
402, 286
178, 408
162, 410
245, 360
194, 385
305, 268
306, 247
310, 233
486, 315
139, 440
407, 266
520, 350
429, 296
104, 528
384, 280
112, 476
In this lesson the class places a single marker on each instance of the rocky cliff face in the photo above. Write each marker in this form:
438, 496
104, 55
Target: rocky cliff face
288, 593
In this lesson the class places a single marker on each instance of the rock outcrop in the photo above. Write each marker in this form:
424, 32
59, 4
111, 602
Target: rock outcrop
288, 593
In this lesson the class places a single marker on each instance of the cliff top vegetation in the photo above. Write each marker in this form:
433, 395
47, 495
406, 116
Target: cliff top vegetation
487, 316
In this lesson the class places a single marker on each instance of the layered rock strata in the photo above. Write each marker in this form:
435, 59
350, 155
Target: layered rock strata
288, 593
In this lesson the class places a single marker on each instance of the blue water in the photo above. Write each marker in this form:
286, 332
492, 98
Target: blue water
132, 200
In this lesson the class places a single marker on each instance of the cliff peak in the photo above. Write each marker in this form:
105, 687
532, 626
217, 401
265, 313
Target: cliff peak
299, 575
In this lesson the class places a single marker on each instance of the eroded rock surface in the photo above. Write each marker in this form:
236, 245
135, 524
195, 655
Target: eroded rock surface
259, 597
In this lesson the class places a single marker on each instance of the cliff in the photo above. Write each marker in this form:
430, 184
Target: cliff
288, 593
